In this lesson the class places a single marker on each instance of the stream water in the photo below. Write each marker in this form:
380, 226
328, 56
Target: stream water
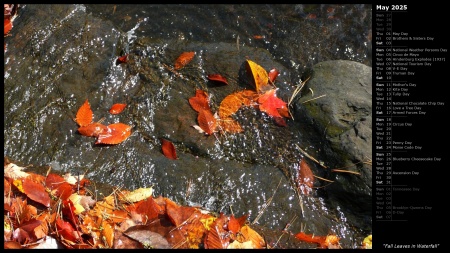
60, 55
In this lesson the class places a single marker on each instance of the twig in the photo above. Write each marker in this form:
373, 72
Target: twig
266, 204
313, 98
310, 157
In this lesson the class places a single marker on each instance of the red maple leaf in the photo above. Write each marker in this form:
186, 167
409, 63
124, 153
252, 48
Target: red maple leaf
269, 103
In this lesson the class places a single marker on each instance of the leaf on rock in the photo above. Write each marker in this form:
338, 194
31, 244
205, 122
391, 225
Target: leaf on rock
260, 76
93, 130
217, 78
273, 74
149, 208
36, 192
230, 125
178, 214
200, 101
117, 133
117, 108
305, 179
183, 60
84, 115
168, 149
233, 224
7, 26
13, 171
269, 103
207, 121
323, 242
253, 236
149, 239
233, 102
216, 237
122, 59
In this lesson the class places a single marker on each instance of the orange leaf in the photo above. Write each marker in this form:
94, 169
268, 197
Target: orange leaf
84, 114
200, 101
322, 241
215, 238
207, 122
253, 236
116, 133
233, 224
168, 149
36, 192
217, 78
184, 59
93, 130
122, 59
59, 187
231, 103
260, 76
117, 108
178, 214
230, 125
7, 26
305, 178
269, 103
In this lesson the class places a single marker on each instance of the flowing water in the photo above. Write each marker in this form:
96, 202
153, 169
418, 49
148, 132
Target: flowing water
60, 55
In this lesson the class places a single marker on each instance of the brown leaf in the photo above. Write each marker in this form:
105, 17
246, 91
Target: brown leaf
178, 214
149, 239
200, 101
168, 149
305, 179
251, 235
84, 115
58, 186
117, 133
149, 208
273, 74
117, 108
183, 59
217, 78
216, 237
207, 122
36, 192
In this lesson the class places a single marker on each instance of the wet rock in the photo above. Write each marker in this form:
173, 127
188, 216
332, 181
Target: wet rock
344, 117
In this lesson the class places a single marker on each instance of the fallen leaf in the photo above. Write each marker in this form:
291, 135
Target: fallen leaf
260, 76
233, 102
117, 133
230, 125
183, 59
149, 239
13, 171
200, 101
207, 122
7, 26
168, 149
58, 186
138, 194
323, 242
122, 59
270, 103
273, 74
117, 108
251, 235
93, 130
36, 192
305, 178
216, 237
84, 115
66, 231
217, 78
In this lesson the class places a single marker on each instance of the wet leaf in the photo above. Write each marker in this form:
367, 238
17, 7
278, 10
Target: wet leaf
207, 122
121, 241
122, 59
7, 26
93, 130
233, 224
117, 108
260, 76
36, 192
84, 115
323, 242
108, 233
230, 125
216, 237
269, 103
217, 78
251, 235
241, 245
178, 214
305, 179
117, 133
280, 121
58, 186
200, 101
168, 149
149, 209
183, 60
273, 74
233, 102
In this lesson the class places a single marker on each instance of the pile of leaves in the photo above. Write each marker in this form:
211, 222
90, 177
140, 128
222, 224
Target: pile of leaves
55, 211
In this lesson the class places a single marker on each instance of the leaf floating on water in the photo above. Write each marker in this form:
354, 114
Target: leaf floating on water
217, 78
305, 179
183, 59
84, 115
116, 133
117, 108
273, 74
168, 149
122, 59
260, 76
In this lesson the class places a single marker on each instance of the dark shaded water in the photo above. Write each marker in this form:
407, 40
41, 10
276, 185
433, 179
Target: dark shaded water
60, 55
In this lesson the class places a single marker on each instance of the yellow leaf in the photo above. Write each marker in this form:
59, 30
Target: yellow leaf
75, 198
260, 76
19, 185
208, 222
139, 194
